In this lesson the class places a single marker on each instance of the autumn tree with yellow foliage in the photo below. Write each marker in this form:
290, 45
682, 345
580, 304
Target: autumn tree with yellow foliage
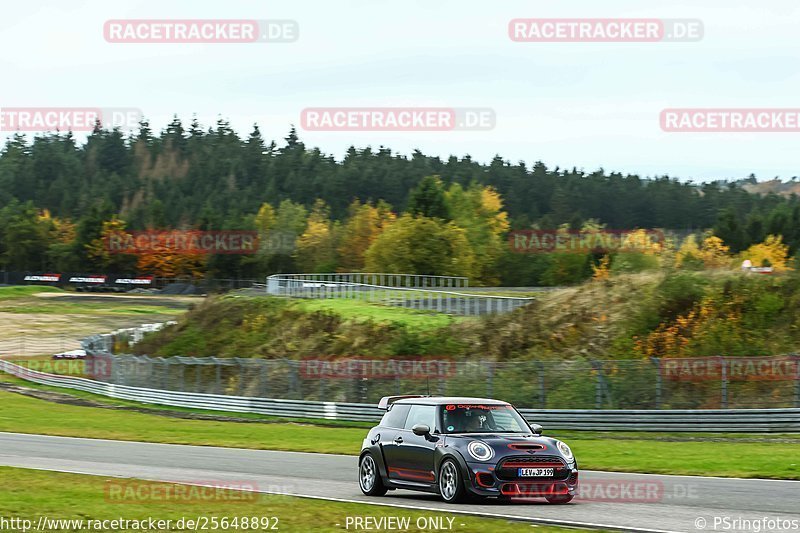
363, 225
479, 211
772, 252
712, 253
316, 246
103, 255
422, 245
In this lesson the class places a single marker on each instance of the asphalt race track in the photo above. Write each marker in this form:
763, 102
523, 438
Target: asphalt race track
637, 502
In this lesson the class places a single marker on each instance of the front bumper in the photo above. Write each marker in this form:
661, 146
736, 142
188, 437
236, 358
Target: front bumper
483, 481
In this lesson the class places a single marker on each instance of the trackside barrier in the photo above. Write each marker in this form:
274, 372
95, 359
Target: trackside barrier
426, 293
211, 402
734, 420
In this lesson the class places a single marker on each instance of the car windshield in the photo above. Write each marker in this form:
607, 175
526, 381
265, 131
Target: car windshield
482, 418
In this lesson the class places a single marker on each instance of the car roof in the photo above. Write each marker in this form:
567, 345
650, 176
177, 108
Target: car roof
444, 400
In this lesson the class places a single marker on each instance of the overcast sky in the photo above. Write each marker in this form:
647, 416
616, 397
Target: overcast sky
588, 105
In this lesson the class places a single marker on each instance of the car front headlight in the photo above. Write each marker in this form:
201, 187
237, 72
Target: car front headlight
564, 449
480, 450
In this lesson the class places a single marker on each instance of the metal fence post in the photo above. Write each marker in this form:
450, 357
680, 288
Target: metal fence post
724, 384
165, 374
197, 377
598, 392
796, 380
242, 375
294, 379
181, 369
264, 378
659, 383
217, 376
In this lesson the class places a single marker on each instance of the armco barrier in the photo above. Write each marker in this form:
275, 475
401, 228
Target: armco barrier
212, 402
736, 420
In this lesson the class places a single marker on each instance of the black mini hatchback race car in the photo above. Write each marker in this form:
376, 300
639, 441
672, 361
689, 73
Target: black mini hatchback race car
462, 448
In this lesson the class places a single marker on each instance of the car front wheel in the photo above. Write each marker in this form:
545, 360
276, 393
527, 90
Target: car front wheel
369, 479
451, 484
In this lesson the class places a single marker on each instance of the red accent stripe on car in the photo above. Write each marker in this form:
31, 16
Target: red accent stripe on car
412, 473
522, 446
510, 464
533, 489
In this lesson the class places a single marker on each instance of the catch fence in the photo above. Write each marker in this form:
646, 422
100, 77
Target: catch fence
729, 420
701, 383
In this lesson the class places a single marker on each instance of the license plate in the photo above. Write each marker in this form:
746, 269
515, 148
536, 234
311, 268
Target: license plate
536, 472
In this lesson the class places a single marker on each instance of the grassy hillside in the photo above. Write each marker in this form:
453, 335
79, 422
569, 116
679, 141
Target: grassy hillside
244, 326
635, 316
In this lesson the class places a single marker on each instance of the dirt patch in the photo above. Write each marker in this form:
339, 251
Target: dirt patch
172, 302
49, 323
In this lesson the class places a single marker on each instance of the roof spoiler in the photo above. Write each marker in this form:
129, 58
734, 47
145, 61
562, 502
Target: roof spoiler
386, 401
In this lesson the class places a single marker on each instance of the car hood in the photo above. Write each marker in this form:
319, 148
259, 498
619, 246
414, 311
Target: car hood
500, 438
503, 444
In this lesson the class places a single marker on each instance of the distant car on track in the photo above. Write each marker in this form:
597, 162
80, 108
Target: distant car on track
464, 448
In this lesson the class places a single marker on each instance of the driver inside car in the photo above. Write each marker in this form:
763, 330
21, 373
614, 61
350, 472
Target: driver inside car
474, 423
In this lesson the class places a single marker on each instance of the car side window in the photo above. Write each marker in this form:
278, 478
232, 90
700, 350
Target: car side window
396, 417
422, 414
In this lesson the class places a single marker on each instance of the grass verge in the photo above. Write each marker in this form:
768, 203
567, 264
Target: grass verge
26, 291
777, 459
360, 310
30, 494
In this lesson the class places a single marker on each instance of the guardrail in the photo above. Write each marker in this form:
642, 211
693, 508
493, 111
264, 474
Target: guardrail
428, 293
418, 281
694, 420
211, 402
736, 420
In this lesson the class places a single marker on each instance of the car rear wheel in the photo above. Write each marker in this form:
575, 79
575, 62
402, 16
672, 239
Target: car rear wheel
451, 484
560, 500
369, 479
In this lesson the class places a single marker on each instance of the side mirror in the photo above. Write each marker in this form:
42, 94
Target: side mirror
537, 429
421, 430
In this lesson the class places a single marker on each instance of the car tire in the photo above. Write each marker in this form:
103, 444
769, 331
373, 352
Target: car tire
560, 500
451, 482
369, 478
